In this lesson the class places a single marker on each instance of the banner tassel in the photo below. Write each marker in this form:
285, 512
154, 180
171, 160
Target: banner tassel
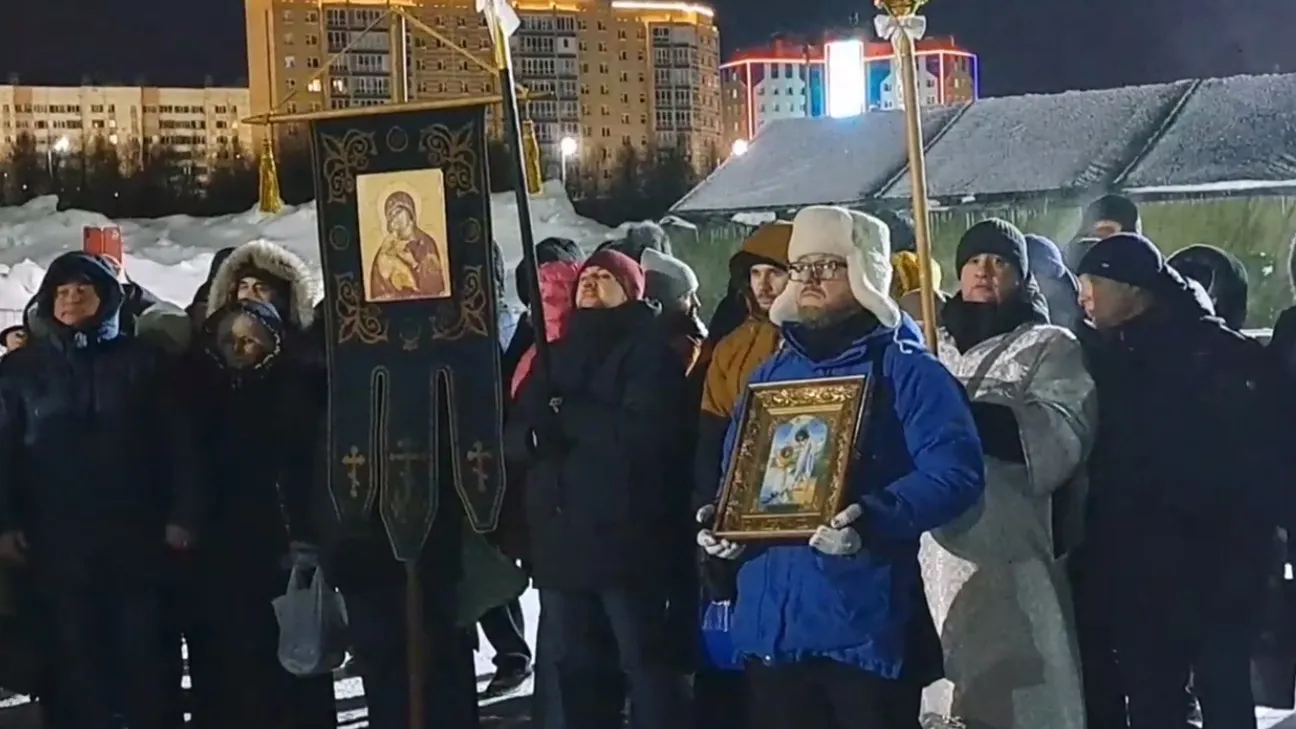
269, 200
531, 155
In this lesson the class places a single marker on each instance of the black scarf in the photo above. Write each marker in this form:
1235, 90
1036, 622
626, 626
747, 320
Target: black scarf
823, 343
594, 334
971, 323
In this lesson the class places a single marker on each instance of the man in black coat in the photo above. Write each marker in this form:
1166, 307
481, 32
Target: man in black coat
1106, 216
1172, 569
95, 490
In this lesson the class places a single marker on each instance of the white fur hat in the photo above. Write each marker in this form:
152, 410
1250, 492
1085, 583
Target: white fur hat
865, 243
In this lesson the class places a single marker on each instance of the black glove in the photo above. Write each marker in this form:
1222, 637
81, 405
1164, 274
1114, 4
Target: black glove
1000, 436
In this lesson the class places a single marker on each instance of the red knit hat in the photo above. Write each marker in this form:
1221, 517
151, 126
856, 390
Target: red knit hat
623, 268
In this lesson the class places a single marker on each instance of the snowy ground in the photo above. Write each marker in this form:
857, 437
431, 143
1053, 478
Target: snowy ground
170, 256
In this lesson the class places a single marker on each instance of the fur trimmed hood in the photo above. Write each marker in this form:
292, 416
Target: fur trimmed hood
271, 259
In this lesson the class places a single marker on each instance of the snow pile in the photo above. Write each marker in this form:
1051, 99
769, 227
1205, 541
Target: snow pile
170, 256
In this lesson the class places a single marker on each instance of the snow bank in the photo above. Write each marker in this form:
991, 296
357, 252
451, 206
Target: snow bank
170, 256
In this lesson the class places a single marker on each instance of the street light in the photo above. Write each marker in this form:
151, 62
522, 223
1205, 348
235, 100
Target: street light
61, 147
739, 148
567, 147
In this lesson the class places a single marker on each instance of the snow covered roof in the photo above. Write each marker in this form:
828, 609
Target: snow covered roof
1230, 129
796, 162
1188, 137
1038, 144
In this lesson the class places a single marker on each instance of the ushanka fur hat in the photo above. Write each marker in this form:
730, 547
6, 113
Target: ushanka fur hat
865, 243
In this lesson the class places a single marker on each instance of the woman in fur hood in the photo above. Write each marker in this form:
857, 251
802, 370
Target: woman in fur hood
252, 395
267, 272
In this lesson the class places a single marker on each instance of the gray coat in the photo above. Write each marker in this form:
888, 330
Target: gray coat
998, 596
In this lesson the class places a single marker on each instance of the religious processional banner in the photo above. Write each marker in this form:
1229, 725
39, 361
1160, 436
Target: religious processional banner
405, 244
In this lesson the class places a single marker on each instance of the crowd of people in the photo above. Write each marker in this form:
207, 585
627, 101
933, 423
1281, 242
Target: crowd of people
1066, 512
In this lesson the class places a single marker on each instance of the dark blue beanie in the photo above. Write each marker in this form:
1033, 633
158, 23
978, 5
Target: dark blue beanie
1127, 258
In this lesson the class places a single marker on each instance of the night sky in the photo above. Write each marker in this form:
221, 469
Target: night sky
1025, 45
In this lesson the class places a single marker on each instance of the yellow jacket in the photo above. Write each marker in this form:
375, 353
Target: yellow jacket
738, 354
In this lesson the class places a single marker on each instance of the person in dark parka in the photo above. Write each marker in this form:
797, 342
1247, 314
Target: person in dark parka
97, 487
1106, 216
638, 238
1172, 567
256, 418
1277, 667
547, 250
135, 299
1058, 285
600, 450
197, 308
1221, 275
505, 625
13, 338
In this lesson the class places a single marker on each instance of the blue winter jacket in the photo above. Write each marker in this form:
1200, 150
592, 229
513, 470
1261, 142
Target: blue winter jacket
920, 467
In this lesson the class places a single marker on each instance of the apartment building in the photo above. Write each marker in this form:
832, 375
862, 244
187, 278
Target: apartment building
792, 79
197, 122
606, 73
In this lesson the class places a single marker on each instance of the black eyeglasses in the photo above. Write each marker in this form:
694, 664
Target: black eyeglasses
821, 270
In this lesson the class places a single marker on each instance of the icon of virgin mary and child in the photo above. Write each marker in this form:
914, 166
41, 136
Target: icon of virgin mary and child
408, 263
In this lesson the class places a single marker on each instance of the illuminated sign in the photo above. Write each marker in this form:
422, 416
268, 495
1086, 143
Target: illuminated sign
846, 78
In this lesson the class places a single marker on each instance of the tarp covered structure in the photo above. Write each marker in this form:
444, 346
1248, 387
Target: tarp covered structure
1175, 137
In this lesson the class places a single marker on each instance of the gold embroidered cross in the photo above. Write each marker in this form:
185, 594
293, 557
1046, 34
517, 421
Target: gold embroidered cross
480, 458
405, 460
354, 460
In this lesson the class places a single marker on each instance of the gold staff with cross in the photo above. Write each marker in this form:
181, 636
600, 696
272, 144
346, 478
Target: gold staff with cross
901, 24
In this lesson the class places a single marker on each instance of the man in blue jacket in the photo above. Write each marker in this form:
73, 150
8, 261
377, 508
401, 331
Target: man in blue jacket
829, 628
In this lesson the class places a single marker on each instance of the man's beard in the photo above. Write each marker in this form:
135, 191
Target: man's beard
822, 317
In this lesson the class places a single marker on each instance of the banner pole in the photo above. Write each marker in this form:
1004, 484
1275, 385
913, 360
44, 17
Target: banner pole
513, 136
416, 650
902, 25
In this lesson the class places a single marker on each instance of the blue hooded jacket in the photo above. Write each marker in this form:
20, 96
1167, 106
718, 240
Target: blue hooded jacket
921, 467
1056, 282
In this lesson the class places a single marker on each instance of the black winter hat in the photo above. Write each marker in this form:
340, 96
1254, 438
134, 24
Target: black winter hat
902, 231
1116, 208
997, 237
1221, 274
639, 237
1127, 258
546, 251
